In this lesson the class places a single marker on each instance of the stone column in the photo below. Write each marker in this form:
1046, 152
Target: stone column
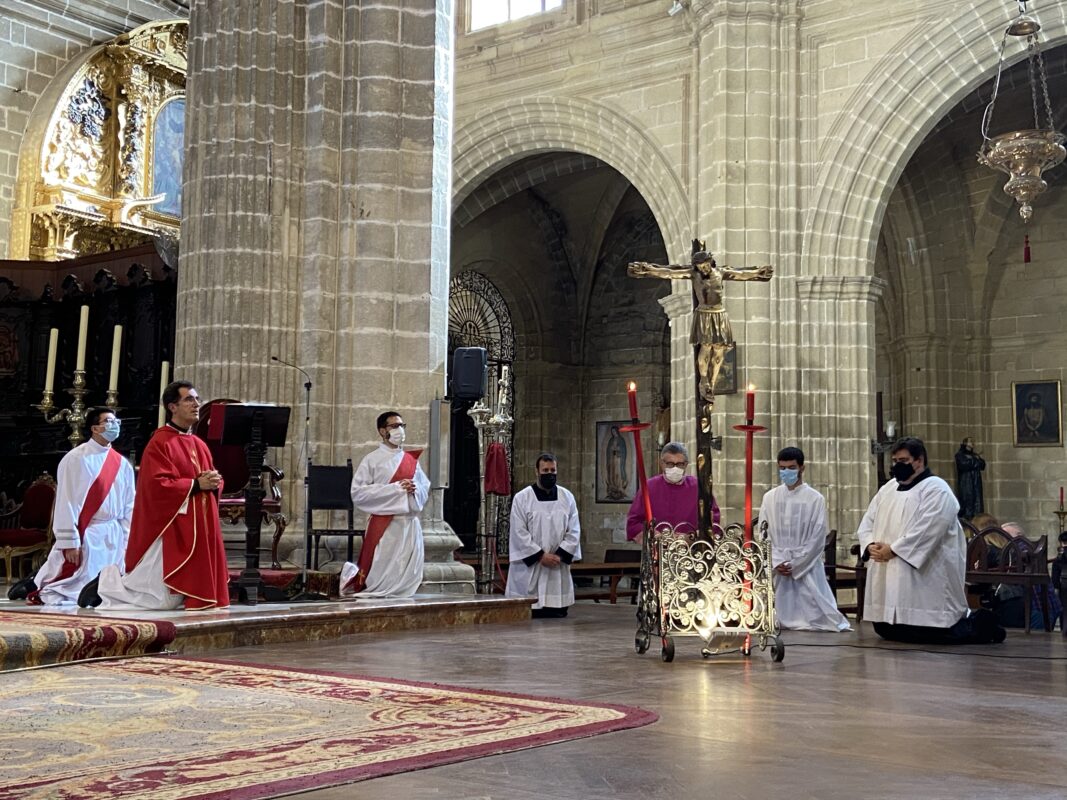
835, 417
315, 225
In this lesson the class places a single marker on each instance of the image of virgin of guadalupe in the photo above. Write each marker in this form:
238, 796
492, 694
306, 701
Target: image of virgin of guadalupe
616, 480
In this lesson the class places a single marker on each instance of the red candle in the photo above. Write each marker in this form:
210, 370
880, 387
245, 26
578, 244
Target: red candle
632, 391
750, 403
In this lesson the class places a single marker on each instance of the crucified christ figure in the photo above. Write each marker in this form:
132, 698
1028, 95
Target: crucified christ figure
711, 333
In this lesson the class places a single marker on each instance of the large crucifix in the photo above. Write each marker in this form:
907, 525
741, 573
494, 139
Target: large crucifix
711, 337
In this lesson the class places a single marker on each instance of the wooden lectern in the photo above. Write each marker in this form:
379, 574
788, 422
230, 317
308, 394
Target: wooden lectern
255, 427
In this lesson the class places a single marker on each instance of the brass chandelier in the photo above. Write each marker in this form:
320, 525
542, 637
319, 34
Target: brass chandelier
1024, 154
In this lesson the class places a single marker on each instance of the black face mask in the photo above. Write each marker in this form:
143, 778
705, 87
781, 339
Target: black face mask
902, 471
547, 480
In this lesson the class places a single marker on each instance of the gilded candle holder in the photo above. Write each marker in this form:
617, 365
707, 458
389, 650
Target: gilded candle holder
73, 416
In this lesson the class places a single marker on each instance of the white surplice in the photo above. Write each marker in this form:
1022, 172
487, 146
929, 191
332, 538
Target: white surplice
923, 585
796, 522
397, 567
103, 543
543, 525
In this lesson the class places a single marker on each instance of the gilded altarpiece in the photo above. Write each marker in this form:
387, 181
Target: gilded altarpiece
101, 169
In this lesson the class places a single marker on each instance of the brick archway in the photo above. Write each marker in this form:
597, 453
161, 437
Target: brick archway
889, 114
508, 132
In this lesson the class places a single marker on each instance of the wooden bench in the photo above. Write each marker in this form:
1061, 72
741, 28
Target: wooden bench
613, 568
840, 576
995, 557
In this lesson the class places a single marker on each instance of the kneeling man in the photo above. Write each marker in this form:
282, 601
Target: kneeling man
795, 514
91, 520
176, 556
917, 557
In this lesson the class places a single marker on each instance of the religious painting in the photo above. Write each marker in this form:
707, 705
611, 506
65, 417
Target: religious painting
616, 463
1036, 410
168, 151
726, 382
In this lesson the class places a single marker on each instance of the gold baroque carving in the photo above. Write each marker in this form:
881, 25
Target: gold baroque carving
91, 190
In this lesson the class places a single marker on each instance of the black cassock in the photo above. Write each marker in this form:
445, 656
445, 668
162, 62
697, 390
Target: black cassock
969, 466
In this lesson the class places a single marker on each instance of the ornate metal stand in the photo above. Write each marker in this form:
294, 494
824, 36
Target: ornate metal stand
493, 424
719, 589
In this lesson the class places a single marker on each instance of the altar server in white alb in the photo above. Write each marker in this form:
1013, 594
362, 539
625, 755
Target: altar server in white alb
917, 557
390, 486
543, 542
91, 520
795, 514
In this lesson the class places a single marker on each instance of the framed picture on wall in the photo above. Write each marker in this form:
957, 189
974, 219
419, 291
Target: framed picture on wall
1037, 411
726, 383
616, 463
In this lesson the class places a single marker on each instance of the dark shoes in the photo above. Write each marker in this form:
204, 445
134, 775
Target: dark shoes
548, 613
985, 628
89, 596
22, 589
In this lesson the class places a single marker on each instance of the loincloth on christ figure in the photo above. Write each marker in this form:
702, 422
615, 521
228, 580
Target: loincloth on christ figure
711, 327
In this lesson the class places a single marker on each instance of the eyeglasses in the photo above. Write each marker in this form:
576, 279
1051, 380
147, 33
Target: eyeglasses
190, 400
674, 463
395, 425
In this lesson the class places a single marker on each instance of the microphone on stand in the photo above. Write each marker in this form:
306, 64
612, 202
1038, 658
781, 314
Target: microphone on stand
298, 369
304, 595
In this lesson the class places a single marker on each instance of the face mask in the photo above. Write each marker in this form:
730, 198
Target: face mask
674, 474
902, 471
397, 436
112, 429
789, 476
547, 480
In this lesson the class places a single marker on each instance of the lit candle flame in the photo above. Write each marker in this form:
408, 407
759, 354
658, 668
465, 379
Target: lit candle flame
632, 386
752, 387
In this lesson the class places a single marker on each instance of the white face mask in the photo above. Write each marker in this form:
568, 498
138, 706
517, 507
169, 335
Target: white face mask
674, 474
397, 436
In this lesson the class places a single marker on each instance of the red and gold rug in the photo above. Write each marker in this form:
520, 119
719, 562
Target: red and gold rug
178, 729
29, 639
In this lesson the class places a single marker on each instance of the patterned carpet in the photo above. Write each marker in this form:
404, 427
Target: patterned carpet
28, 639
178, 729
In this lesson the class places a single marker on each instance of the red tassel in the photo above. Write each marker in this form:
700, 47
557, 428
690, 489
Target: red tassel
1026, 248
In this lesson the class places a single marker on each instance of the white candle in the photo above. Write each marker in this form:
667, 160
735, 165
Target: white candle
50, 370
83, 334
116, 351
164, 379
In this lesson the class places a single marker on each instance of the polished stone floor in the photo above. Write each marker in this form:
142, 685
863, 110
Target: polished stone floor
848, 718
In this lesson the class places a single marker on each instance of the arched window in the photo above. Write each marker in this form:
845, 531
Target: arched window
486, 13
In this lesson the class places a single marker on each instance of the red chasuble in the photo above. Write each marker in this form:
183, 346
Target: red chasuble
377, 523
194, 559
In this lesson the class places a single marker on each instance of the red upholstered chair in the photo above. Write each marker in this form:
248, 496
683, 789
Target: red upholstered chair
231, 462
26, 529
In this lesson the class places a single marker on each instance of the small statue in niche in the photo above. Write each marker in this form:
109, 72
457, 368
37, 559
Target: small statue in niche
969, 467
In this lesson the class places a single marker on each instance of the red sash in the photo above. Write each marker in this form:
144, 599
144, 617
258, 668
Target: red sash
94, 499
377, 523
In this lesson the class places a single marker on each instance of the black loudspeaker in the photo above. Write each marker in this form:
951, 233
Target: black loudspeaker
469, 373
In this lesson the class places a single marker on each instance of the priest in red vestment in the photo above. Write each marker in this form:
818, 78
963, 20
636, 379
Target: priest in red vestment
175, 557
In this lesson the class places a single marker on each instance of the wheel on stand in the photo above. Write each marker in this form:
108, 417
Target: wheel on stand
641, 642
667, 654
746, 649
777, 651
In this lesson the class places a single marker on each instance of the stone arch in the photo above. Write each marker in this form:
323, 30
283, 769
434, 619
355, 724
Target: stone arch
509, 131
899, 102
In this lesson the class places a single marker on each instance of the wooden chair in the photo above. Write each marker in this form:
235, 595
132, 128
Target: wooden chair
995, 557
25, 531
230, 460
840, 576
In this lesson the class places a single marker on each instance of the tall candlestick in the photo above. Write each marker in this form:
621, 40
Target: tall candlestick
164, 379
50, 370
750, 403
1061, 498
632, 392
116, 350
83, 334
636, 426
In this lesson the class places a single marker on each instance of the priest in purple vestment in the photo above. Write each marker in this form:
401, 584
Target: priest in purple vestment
673, 494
